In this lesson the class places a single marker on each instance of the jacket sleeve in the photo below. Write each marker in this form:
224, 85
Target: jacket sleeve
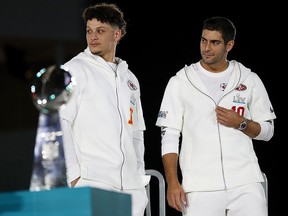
72, 165
67, 115
260, 107
138, 142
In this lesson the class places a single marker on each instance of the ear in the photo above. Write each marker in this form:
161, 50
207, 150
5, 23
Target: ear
230, 45
118, 35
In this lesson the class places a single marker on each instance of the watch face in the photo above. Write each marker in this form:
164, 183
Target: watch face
243, 125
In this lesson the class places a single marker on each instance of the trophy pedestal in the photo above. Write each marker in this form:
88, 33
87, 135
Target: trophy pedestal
84, 201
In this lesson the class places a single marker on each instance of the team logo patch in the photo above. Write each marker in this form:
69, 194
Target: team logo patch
241, 87
223, 86
131, 85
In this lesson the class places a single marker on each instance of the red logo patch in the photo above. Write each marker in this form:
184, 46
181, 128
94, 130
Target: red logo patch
131, 85
241, 87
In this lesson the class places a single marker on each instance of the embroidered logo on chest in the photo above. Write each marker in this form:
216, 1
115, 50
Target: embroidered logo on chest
131, 85
238, 99
241, 87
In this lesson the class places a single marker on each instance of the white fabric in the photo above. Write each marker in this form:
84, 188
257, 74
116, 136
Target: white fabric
170, 140
139, 196
214, 82
99, 123
212, 156
138, 140
236, 200
267, 130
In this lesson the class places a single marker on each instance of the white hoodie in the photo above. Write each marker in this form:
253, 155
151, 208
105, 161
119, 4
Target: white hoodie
103, 124
212, 156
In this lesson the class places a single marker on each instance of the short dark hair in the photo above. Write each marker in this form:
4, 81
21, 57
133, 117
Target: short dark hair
106, 13
222, 25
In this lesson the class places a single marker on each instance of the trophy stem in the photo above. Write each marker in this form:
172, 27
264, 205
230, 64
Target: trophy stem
49, 168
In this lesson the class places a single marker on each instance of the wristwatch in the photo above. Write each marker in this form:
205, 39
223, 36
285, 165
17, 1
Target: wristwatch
243, 124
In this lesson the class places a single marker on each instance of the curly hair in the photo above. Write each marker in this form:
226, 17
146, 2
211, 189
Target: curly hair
106, 13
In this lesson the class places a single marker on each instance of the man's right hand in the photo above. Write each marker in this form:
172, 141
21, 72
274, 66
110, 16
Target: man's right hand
74, 182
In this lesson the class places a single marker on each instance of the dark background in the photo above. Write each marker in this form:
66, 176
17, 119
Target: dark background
161, 38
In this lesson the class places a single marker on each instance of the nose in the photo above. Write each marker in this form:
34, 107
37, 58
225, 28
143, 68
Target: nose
208, 46
92, 35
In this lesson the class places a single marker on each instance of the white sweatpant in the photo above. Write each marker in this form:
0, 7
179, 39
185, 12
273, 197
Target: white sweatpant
138, 196
246, 200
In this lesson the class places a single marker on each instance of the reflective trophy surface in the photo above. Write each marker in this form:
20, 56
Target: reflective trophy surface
52, 88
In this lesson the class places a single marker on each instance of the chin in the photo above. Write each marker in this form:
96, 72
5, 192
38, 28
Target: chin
95, 52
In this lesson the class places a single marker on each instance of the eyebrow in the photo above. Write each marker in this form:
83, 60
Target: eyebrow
211, 40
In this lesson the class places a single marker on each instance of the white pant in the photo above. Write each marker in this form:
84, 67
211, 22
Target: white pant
246, 200
138, 196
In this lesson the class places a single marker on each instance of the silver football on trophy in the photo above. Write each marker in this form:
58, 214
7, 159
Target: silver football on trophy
52, 88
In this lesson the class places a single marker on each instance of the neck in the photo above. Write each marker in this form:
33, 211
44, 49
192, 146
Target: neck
215, 68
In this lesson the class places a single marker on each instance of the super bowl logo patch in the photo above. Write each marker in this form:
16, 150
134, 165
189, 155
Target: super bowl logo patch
131, 85
241, 87
132, 99
238, 99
